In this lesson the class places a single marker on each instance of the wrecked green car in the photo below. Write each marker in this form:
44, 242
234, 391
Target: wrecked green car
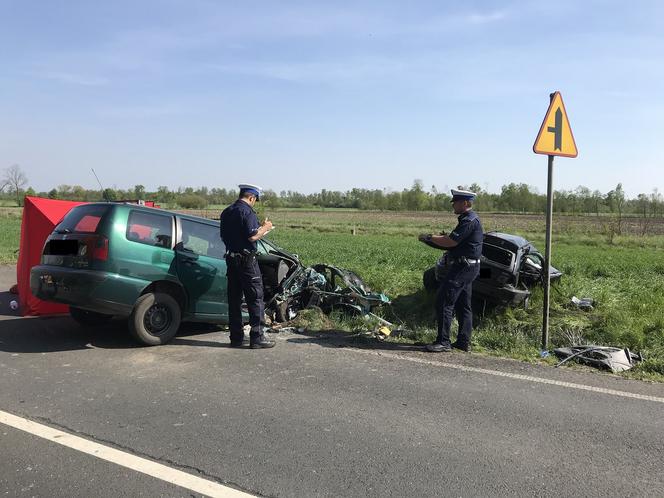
159, 268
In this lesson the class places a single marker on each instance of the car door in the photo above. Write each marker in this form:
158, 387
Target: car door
201, 268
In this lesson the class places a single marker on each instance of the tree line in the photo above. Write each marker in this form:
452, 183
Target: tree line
512, 198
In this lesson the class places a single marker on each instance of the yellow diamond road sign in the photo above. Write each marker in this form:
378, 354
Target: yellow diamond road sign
555, 136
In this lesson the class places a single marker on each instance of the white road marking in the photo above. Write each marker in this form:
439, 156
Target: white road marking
133, 462
528, 378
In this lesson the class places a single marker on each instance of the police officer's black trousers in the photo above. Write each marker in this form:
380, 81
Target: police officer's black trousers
244, 277
454, 297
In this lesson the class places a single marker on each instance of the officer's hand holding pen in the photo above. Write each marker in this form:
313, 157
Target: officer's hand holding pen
267, 226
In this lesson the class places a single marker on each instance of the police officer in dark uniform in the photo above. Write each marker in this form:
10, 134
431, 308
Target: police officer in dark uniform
462, 266
240, 230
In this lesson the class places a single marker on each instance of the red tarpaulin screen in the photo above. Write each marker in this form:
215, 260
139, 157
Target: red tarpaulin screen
39, 218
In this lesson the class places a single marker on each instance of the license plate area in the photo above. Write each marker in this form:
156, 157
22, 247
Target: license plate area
62, 248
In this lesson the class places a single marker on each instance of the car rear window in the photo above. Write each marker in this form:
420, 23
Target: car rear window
150, 228
82, 219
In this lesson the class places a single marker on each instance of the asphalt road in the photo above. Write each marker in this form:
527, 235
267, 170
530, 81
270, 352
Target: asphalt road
319, 415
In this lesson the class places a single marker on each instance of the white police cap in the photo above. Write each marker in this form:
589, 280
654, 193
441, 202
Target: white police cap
463, 195
252, 189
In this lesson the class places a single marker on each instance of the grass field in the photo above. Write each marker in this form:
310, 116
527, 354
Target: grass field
10, 230
624, 275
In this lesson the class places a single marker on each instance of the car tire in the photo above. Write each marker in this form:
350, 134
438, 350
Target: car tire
155, 318
88, 318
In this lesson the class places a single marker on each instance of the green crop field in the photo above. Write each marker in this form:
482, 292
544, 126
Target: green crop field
10, 229
623, 274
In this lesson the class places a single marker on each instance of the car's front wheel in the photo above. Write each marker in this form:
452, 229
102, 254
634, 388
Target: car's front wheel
88, 318
155, 318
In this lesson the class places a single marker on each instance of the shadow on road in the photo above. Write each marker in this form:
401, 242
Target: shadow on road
61, 333
342, 339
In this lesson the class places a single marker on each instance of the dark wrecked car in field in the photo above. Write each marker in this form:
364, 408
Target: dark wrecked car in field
509, 267
159, 268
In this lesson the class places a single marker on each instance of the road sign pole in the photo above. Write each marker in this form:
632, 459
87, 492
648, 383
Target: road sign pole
547, 256
555, 138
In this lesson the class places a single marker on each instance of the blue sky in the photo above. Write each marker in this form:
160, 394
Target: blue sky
302, 95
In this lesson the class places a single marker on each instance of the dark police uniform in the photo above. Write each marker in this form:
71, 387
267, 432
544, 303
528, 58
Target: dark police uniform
238, 223
454, 293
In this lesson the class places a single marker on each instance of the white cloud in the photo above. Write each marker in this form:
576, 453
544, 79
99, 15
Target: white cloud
74, 78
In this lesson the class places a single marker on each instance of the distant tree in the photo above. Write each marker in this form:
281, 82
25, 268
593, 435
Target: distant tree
416, 199
164, 196
656, 203
78, 193
270, 199
616, 201
30, 192
14, 179
597, 201
64, 191
53, 193
109, 194
139, 191
191, 201
393, 201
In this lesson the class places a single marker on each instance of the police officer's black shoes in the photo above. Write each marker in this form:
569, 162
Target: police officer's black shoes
438, 347
262, 342
462, 347
239, 344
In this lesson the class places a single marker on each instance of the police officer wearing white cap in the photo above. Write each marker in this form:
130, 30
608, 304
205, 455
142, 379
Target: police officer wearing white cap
240, 230
462, 266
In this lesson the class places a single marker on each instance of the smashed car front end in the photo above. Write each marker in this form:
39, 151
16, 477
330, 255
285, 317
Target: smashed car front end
509, 267
291, 287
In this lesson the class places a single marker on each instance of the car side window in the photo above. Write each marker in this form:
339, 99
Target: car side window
150, 228
202, 239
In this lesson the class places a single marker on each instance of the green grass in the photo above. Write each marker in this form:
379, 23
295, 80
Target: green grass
10, 230
623, 275
625, 279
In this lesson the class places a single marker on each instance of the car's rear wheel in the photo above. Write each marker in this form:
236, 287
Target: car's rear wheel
155, 318
88, 318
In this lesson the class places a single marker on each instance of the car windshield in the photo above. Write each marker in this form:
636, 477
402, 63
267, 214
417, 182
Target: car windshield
82, 219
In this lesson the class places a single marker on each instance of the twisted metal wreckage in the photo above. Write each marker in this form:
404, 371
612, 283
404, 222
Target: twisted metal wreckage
291, 287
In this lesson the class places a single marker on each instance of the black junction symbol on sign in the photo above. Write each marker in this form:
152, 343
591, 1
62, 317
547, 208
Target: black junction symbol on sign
557, 130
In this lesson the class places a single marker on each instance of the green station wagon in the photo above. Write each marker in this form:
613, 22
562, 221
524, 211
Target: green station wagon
159, 268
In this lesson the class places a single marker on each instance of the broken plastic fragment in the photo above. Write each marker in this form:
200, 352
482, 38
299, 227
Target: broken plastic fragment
384, 331
583, 303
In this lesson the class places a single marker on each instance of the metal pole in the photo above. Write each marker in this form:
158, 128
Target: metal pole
547, 256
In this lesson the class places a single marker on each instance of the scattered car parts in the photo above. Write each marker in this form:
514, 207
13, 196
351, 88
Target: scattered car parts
606, 357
